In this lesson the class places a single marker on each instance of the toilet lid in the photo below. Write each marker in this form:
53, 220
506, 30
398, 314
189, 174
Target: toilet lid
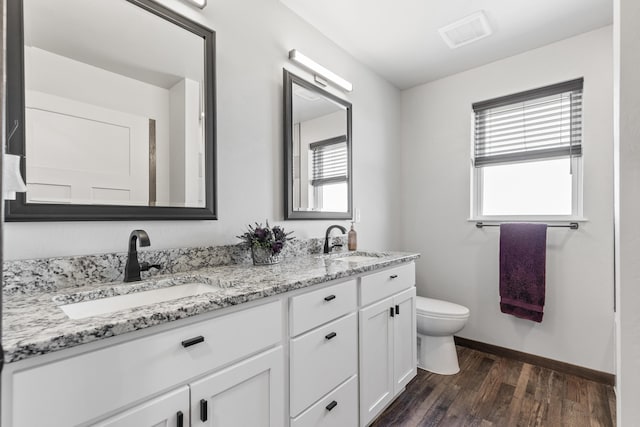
440, 308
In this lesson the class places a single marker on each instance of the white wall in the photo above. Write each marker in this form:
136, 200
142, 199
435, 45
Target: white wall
187, 145
253, 38
627, 209
177, 128
459, 262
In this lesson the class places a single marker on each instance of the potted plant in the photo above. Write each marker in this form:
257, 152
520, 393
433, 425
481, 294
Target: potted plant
266, 243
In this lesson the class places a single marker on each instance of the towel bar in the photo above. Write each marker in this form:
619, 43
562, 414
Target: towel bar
571, 225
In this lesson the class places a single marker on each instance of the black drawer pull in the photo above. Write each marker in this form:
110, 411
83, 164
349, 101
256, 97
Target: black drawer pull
192, 341
180, 419
397, 309
331, 335
391, 312
330, 297
203, 410
393, 276
331, 405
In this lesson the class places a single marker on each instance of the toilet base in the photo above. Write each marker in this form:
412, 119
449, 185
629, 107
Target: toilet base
438, 355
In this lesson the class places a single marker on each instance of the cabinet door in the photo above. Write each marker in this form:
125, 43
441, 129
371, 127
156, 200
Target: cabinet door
249, 393
404, 339
168, 410
376, 359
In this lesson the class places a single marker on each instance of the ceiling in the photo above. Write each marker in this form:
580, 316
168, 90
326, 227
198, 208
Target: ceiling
115, 36
400, 41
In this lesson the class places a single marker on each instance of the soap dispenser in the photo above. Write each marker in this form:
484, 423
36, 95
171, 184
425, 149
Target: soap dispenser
352, 239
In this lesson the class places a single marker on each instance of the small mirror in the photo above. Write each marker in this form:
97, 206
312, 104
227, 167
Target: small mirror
115, 106
317, 145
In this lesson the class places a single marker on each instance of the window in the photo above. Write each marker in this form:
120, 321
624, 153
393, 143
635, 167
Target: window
329, 177
527, 154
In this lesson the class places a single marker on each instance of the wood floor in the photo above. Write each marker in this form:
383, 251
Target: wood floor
495, 391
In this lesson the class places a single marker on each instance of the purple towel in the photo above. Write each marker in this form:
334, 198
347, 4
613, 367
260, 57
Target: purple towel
523, 252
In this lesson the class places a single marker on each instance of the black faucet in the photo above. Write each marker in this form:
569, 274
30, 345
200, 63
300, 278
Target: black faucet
133, 268
327, 249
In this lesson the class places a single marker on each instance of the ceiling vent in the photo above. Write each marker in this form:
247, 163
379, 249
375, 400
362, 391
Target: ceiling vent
466, 30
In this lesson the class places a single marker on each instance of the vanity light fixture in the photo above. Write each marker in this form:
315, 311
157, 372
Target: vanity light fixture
12, 181
198, 3
321, 73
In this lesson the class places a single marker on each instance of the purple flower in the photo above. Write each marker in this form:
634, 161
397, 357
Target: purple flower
260, 234
266, 237
276, 247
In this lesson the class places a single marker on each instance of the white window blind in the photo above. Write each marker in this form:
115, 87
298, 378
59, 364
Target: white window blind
329, 161
537, 124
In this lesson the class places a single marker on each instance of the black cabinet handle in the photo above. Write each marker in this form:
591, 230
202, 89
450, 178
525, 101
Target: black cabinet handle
391, 312
393, 276
192, 341
331, 405
330, 297
331, 335
203, 410
397, 309
180, 419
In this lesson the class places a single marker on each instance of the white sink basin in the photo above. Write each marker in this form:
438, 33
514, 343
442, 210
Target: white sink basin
360, 256
357, 258
81, 310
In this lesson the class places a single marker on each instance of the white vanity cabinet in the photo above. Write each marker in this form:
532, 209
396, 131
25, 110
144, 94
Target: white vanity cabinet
387, 337
332, 355
85, 388
352, 348
323, 357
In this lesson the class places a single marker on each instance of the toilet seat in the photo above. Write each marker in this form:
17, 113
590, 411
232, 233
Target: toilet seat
440, 309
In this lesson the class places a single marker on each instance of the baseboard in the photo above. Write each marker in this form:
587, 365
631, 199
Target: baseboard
566, 368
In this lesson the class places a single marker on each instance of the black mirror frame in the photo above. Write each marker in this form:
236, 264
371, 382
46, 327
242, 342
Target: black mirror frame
19, 210
288, 80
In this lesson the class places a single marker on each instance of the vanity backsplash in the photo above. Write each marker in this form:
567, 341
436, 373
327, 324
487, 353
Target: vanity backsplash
52, 274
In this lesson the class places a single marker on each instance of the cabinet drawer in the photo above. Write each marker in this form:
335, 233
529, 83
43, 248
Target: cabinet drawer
322, 359
81, 388
326, 413
376, 286
315, 308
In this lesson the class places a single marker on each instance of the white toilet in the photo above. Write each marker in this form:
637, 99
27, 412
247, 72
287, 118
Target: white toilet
437, 322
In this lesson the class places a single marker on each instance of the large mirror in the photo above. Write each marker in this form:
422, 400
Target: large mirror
114, 103
317, 146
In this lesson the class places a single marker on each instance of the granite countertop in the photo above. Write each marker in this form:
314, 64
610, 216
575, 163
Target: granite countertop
35, 324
